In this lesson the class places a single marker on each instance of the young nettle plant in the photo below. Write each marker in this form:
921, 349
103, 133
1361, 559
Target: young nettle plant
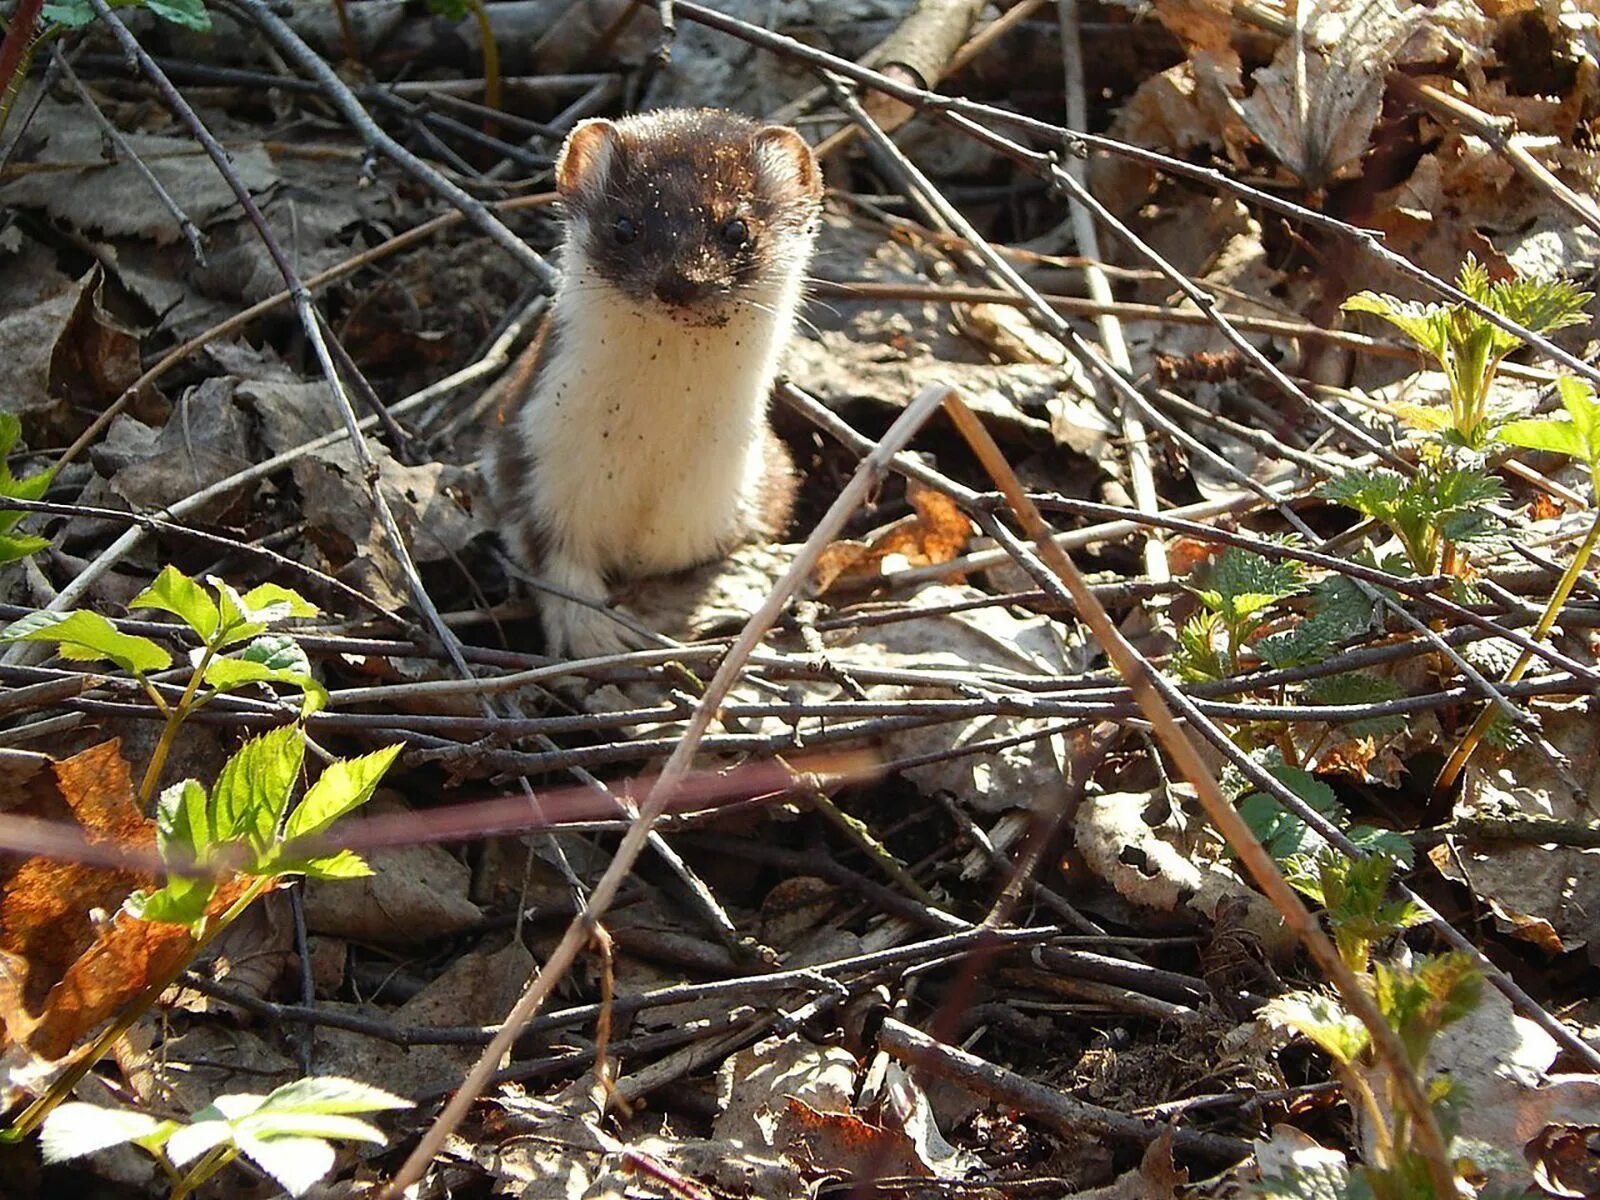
14, 545
1576, 435
1469, 348
286, 1133
1240, 592
1429, 513
1417, 1000
236, 648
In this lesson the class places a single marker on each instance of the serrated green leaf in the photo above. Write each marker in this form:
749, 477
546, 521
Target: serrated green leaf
85, 636
182, 901
1320, 1017
1357, 688
343, 786
1242, 584
1283, 834
331, 1094
1385, 842
174, 592
1428, 325
191, 14
252, 791
1198, 658
74, 1129
183, 824
284, 603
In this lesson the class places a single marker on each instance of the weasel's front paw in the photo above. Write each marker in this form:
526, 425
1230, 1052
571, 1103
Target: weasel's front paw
573, 630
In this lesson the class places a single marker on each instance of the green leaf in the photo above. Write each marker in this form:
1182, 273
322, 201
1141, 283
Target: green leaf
450, 10
343, 786
346, 864
245, 616
1578, 436
1357, 688
281, 602
331, 1094
1321, 1178
85, 636
15, 546
176, 593
182, 901
252, 792
75, 1129
1283, 834
191, 14
295, 1163
1199, 657
183, 825
1242, 584
1428, 325
1321, 1018
74, 14
270, 658
1420, 1000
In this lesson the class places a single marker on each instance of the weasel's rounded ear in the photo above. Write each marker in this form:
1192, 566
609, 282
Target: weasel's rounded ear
586, 156
785, 163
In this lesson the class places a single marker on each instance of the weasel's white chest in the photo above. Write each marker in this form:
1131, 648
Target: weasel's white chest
646, 436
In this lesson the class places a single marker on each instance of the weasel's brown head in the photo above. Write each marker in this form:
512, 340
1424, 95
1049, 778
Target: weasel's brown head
691, 213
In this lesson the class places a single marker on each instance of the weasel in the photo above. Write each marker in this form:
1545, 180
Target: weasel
641, 445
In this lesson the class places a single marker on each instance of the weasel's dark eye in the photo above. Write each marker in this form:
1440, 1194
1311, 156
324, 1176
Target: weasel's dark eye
624, 231
736, 232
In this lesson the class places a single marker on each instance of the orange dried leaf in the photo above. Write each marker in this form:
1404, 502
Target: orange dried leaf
68, 968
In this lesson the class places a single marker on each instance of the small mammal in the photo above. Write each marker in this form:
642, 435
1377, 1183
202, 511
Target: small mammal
641, 445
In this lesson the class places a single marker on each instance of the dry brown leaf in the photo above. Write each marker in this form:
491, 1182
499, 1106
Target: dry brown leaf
1150, 870
66, 972
936, 533
1542, 894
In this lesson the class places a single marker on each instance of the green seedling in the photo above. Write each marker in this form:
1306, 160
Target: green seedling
1429, 513
1240, 590
243, 828
1576, 435
1354, 894
287, 1133
1415, 1000
1289, 839
237, 648
14, 545
1469, 348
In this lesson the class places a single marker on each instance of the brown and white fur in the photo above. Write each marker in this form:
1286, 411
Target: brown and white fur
642, 445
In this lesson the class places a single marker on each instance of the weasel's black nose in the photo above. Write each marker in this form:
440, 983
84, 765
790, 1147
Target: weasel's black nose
676, 289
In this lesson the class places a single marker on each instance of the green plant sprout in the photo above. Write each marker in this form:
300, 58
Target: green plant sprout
243, 828
1577, 436
1416, 1001
1354, 894
236, 649
287, 1133
1429, 513
14, 545
1469, 348
1240, 589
